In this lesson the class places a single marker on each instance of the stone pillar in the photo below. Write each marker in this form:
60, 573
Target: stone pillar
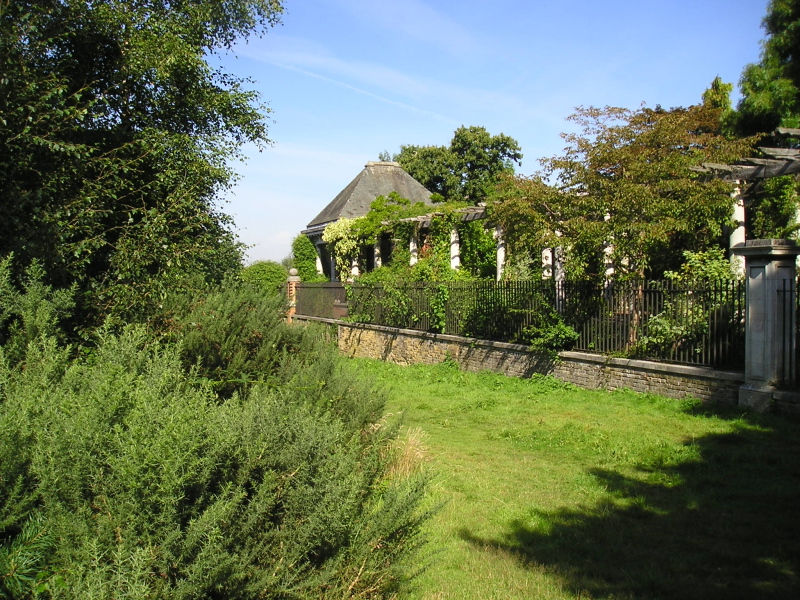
738, 235
291, 294
377, 253
608, 261
547, 263
413, 247
770, 276
455, 249
354, 271
501, 252
608, 255
320, 270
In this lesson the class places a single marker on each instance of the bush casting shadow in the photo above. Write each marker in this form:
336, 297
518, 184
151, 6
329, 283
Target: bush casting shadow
723, 524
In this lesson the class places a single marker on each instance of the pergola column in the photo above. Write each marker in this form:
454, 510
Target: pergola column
501, 252
547, 263
737, 235
455, 249
413, 247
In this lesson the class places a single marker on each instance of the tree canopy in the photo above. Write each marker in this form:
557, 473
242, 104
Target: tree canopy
118, 136
465, 171
771, 88
623, 190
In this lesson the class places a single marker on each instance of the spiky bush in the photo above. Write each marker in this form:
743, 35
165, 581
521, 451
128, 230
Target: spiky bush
141, 481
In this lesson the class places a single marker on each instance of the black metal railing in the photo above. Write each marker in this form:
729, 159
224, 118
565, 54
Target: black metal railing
700, 323
321, 300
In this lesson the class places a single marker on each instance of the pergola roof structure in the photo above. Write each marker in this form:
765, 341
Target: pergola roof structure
779, 161
470, 213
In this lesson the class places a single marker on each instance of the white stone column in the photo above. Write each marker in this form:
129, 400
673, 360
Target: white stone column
738, 234
455, 249
413, 247
320, 269
377, 253
547, 263
608, 255
608, 261
501, 252
354, 267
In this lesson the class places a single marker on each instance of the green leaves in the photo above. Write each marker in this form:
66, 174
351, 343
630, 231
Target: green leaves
131, 472
119, 136
468, 169
623, 193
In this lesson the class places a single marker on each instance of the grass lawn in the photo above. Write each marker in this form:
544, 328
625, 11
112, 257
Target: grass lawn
551, 491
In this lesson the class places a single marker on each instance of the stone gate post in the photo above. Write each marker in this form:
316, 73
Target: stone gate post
770, 329
291, 293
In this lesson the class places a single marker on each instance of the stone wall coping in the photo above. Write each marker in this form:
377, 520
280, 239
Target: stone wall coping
653, 366
318, 320
625, 363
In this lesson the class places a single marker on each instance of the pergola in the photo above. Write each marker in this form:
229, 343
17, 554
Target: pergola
779, 161
749, 175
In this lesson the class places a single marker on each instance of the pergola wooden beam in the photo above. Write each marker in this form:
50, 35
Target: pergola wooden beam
788, 131
784, 153
470, 213
764, 169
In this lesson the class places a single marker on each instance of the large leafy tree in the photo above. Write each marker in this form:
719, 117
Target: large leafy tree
467, 169
118, 135
623, 187
771, 88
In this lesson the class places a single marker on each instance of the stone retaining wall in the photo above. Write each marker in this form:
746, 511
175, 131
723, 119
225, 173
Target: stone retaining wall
405, 347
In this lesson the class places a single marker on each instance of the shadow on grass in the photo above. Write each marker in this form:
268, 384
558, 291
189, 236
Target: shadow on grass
725, 524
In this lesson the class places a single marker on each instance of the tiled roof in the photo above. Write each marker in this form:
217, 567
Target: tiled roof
377, 179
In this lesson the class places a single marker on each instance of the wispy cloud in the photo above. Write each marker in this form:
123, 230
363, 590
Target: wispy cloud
366, 93
416, 20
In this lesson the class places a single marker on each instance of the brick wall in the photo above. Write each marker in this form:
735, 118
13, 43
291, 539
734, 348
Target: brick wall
405, 347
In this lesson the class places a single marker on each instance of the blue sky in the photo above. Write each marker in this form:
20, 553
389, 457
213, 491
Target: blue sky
347, 79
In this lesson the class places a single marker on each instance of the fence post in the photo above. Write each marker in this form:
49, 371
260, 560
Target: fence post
291, 293
770, 332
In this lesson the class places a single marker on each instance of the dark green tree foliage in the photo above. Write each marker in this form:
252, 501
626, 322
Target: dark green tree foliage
624, 180
771, 88
305, 260
468, 169
125, 475
267, 274
771, 209
478, 250
117, 139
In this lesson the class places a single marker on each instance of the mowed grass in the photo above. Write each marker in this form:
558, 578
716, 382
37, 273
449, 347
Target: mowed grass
551, 491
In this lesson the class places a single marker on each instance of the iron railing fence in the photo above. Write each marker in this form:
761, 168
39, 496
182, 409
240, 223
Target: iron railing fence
322, 300
699, 323
696, 323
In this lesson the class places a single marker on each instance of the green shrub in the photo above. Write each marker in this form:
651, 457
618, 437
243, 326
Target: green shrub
142, 481
305, 260
267, 274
